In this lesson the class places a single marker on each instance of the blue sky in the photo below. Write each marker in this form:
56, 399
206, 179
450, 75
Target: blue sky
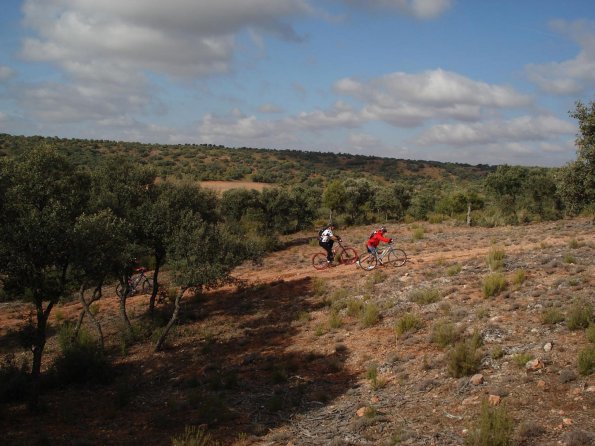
470, 81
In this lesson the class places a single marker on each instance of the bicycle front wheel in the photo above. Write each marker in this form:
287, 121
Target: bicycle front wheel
319, 261
368, 262
396, 257
348, 256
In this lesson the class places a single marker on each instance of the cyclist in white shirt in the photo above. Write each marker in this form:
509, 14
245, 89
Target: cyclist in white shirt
327, 239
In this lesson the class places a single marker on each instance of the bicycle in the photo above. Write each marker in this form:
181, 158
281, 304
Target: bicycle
389, 256
346, 256
137, 282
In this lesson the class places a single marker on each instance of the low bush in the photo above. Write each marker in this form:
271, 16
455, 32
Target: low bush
493, 427
463, 359
551, 316
425, 296
14, 380
193, 436
493, 284
444, 333
586, 361
495, 259
407, 323
579, 315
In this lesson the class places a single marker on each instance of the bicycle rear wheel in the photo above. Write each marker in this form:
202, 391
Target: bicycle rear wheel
396, 257
146, 285
319, 261
368, 262
348, 256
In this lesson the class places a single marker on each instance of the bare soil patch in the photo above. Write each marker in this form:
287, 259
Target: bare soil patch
281, 357
222, 186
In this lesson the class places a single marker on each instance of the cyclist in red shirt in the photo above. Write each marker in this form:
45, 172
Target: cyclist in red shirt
376, 238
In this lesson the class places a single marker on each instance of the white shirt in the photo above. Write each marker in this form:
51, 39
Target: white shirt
326, 235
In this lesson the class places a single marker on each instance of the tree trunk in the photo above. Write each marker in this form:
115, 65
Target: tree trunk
468, 214
172, 321
122, 306
158, 261
40, 339
86, 310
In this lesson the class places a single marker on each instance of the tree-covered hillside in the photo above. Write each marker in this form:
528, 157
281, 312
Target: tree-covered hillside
211, 162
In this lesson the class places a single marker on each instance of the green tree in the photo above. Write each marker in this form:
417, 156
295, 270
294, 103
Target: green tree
42, 197
97, 256
334, 198
576, 180
160, 214
506, 185
202, 256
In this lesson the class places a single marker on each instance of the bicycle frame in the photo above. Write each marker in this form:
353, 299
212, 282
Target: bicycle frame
390, 255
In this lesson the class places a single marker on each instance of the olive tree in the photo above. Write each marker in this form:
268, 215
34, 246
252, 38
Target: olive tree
576, 180
42, 197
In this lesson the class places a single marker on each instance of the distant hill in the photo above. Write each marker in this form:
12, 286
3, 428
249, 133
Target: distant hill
203, 162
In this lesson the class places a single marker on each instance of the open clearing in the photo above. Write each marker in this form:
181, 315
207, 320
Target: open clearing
284, 357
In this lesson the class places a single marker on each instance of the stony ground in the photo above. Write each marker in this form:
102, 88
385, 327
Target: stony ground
293, 356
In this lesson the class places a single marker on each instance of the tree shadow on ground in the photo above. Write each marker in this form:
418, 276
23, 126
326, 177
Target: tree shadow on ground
238, 368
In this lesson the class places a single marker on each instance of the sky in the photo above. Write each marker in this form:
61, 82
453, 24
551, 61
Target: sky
466, 81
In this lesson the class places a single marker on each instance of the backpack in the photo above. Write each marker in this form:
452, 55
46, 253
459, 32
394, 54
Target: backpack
372, 234
320, 233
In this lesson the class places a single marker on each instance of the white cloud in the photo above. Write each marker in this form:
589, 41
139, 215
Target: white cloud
525, 128
421, 9
407, 100
269, 108
6, 72
573, 76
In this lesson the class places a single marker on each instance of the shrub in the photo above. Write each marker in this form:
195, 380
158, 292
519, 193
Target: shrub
453, 270
463, 359
521, 359
579, 315
81, 360
408, 322
493, 284
334, 320
425, 296
492, 428
193, 436
586, 361
519, 277
495, 259
418, 233
444, 333
370, 315
551, 316
590, 333
14, 380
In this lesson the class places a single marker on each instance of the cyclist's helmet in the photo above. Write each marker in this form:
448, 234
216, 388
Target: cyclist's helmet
383, 229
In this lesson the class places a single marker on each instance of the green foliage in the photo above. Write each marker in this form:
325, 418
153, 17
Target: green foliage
493, 284
444, 333
463, 359
81, 361
425, 296
586, 361
590, 333
370, 315
551, 316
193, 436
14, 380
576, 180
579, 315
495, 259
409, 322
520, 359
494, 427
453, 270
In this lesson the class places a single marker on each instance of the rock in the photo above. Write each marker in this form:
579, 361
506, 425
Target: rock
494, 400
361, 411
542, 384
548, 347
567, 421
534, 364
476, 379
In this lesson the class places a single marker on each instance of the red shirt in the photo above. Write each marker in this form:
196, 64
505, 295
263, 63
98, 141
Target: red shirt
377, 238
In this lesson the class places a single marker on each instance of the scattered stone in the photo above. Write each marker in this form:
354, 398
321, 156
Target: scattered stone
534, 364
567, 375
548, 347
567, 421
542, 384
476, 379
361, 411
494, 400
